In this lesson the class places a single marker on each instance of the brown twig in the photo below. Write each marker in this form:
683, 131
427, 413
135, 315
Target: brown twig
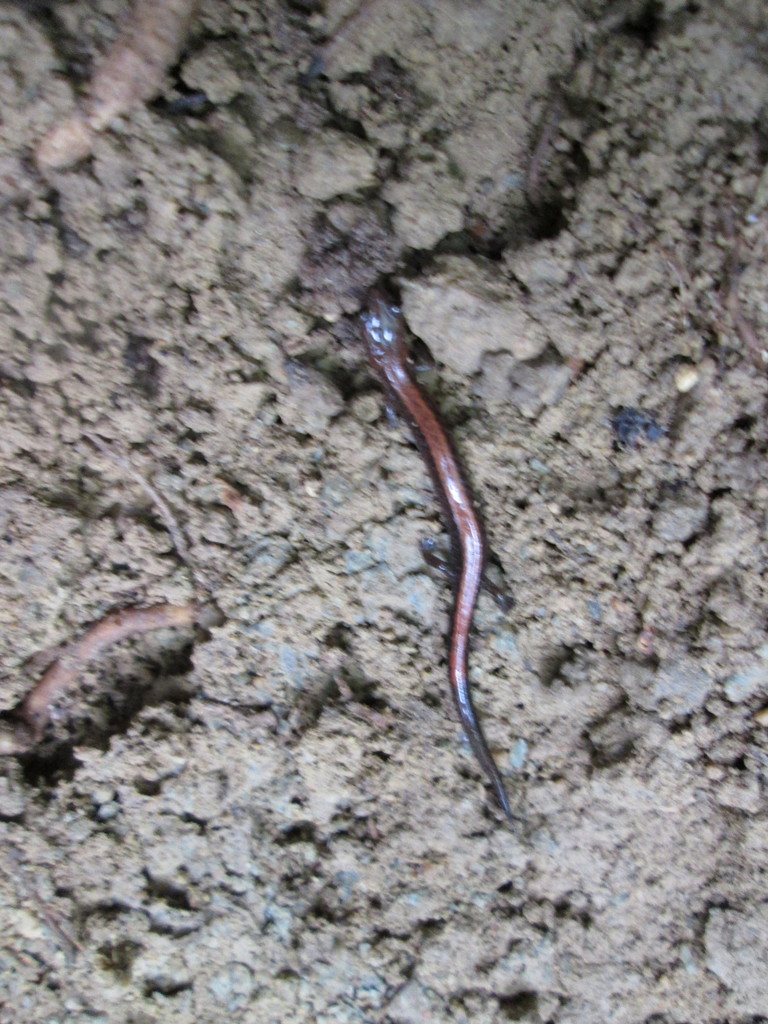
26, 723
29, 718
131, 73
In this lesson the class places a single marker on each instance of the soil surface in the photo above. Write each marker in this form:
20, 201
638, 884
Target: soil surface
279, 819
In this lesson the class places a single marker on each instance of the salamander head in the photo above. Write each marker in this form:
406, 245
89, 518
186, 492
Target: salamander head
382, 329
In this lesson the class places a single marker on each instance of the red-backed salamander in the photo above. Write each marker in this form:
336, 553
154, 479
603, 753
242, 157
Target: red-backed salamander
384, 336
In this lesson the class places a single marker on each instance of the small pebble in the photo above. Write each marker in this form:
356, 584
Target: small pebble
108, 811
686, 378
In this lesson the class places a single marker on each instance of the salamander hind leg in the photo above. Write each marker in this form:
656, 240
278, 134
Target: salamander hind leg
436, 561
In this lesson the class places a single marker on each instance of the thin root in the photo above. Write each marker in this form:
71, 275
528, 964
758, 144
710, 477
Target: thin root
30, 717
131, 73
178, 538
731, 302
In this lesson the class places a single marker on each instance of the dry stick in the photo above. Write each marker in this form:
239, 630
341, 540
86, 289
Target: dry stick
131, 73
345, 29
552, 117
745, 330
173, 528
32, 715
178, 539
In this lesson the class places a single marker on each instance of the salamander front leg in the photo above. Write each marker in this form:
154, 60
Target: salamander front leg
435, 560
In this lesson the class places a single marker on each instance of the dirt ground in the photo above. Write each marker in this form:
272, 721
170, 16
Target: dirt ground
279, 819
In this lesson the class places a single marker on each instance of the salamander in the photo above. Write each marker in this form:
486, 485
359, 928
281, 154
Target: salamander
383, 333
